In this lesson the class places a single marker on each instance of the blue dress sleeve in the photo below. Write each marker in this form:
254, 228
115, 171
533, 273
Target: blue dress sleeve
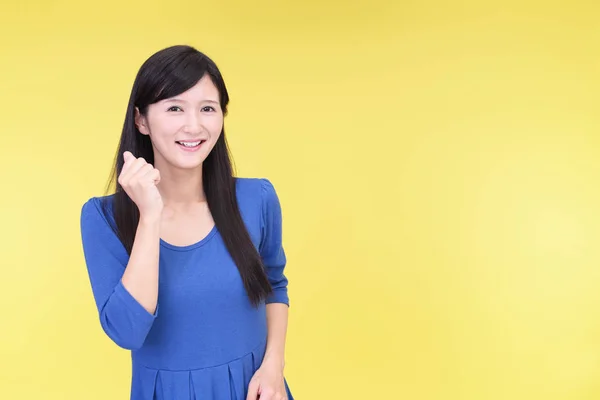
122, 317
271, 247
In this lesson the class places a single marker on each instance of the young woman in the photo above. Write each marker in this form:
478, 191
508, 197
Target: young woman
185, 260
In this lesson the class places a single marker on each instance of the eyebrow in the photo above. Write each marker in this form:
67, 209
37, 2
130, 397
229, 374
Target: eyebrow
183, 101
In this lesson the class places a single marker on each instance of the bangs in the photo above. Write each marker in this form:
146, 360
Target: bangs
179, 76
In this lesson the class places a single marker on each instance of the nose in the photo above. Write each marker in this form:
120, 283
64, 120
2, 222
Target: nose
193, 122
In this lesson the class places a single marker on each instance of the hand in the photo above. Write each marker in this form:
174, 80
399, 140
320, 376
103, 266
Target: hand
267, 383
139, 180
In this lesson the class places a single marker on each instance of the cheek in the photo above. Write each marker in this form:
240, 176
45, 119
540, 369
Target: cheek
165, 128
216, 126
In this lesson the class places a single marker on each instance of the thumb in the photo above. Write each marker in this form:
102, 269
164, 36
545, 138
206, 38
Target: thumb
127, 156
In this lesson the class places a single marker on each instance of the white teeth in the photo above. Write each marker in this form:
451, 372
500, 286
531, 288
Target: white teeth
190, 144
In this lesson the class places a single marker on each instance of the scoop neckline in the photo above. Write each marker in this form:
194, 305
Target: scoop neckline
192, 246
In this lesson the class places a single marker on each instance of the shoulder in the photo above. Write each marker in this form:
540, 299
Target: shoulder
259, 195
98, 210
259, 189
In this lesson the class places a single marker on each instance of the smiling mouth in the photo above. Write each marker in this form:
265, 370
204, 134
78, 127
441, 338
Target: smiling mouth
190, 145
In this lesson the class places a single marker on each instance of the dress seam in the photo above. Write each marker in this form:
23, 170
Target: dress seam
198, 369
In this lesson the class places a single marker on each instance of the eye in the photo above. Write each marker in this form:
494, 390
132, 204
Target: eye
208, 108
174, 108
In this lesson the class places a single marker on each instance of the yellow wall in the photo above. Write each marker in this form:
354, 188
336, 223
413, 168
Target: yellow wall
438, 164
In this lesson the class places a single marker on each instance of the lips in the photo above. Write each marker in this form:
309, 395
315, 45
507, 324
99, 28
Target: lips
190, 146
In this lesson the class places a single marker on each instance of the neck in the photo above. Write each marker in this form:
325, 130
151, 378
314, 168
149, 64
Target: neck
181, 188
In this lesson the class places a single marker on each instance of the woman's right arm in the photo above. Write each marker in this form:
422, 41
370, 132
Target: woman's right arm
141, 275
125, 288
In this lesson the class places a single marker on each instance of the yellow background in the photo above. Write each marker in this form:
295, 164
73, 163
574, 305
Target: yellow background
438, 164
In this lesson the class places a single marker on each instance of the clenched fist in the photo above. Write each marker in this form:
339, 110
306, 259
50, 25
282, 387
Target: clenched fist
139, 180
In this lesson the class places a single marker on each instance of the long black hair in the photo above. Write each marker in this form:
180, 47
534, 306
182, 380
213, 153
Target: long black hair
168, 73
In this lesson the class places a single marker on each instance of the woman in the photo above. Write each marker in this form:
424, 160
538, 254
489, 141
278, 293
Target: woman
186, 261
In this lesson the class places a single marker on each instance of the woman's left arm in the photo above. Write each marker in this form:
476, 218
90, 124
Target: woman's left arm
277, 320
268, 381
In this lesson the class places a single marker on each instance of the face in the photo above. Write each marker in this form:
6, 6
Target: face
185, 128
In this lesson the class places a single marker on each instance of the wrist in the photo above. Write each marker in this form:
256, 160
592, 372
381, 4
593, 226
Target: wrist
150, 218
276, 358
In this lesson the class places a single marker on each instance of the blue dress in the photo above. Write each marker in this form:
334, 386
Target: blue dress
205, 339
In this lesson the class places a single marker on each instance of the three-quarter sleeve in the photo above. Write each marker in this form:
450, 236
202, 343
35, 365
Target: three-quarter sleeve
122, 317
271, 246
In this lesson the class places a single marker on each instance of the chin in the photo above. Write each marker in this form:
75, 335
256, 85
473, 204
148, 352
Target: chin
176, 161
190, 164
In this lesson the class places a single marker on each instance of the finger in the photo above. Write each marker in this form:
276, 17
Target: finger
156, 176
152, 175
266, 395
132, 173
135, 167
128, 161
143, 173
252, 390
127, 158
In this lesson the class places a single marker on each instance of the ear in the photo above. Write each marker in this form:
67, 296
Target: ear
141, 123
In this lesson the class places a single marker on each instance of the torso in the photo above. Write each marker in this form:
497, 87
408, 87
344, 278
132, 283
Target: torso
186, 228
